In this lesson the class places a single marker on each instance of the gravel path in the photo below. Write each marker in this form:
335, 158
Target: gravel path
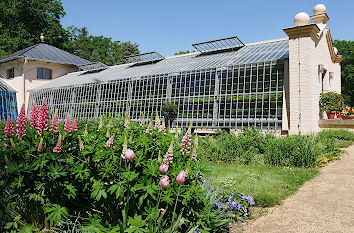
324, 204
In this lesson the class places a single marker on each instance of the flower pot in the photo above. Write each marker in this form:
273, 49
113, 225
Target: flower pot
330, 115
348, 117
338, 115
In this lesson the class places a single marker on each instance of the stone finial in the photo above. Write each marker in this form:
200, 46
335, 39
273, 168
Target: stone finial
319, 9
42, 37
301, 19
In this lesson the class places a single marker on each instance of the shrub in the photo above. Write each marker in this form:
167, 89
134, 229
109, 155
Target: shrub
331, 101
108, 174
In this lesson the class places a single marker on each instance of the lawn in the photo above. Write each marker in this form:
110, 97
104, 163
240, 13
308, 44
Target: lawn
269, 185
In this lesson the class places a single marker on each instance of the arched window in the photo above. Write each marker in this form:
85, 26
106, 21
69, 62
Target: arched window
44, 73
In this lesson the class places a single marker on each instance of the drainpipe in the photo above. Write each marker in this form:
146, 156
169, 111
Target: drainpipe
24, 82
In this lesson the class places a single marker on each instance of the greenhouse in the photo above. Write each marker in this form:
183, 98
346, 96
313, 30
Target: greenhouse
8, 103
226, 84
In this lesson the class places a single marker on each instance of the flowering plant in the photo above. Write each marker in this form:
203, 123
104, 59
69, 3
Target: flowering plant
331, 101
110, 173
347, 111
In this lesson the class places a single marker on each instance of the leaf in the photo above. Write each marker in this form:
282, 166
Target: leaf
98, 190
56, 213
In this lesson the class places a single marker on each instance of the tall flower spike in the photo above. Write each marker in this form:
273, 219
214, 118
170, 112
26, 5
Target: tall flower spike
12, 143
163, 125
149, 128
142, 120
126, 121
86, 131
21, 123
110, 142
67, 125
9, 128
110, 123
55, 122
176, 135
125, 147
157, 121
58, 148
169, 154
74, 128
34, 115
195, 147
40, 146
108, 133
81, 144
42, 122
186, 141
100, 125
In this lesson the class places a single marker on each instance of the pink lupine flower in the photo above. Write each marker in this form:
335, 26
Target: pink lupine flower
67, 125
58, 148
21, 123
149, 128
110, 142
74, 128
42, 120
163, 168
81, 144
55, 122
34, 115
126, 121
157, 121
186, 141
129, 154
169, 154
125, 147
142, 120
9, 128
40, 146
164, 181
181, 177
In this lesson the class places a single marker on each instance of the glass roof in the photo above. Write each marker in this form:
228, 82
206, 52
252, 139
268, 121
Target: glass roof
145, 58
230, 43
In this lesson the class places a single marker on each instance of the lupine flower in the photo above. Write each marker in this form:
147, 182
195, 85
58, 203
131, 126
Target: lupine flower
100, 125
176, 135
55, 122
142, 120
110, 142
125, 147
34, 115
164, 181
67, 125
12, 143
40, 146
108, 133
21, 123
162, 210
164, 167
9, 128
126, 121
195, 146
129, 154
74, 128
42, 120
157, 121
186, 141
162, 127
149, 128
81, 144
181, 177
85, 131
58, 148
169, 154
110, 123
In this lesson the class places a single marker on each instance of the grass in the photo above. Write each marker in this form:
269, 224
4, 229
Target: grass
269, 185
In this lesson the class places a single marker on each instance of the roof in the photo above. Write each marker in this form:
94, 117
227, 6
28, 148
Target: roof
46, 52
265, 51
4, 86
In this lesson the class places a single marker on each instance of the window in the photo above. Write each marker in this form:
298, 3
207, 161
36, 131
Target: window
11, 73
44, 73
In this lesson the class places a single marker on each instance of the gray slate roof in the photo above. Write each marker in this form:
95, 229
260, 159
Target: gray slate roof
251, 53
45, 52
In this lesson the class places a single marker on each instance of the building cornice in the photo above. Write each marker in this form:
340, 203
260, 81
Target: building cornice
335, 58
320, 18
311, 29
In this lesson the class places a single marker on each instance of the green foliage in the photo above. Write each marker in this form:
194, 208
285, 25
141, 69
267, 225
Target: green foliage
255, 148
331, 101
184, 52
99, 186
170, 111
346, 48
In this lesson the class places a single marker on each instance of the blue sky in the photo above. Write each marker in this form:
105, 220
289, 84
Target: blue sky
168, 26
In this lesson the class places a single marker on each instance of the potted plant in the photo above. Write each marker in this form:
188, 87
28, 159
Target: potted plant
331, 102
347, 113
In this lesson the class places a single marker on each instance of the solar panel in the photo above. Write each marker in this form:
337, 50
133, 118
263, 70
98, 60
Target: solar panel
230, 43
93, 67
150, 57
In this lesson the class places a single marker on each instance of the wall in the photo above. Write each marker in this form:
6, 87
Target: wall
26, 69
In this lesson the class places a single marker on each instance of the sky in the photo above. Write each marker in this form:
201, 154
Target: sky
169, 26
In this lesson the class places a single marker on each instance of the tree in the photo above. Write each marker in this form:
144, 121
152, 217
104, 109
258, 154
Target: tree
184, 52
169, 111
346, 48
22, 22
99, 48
